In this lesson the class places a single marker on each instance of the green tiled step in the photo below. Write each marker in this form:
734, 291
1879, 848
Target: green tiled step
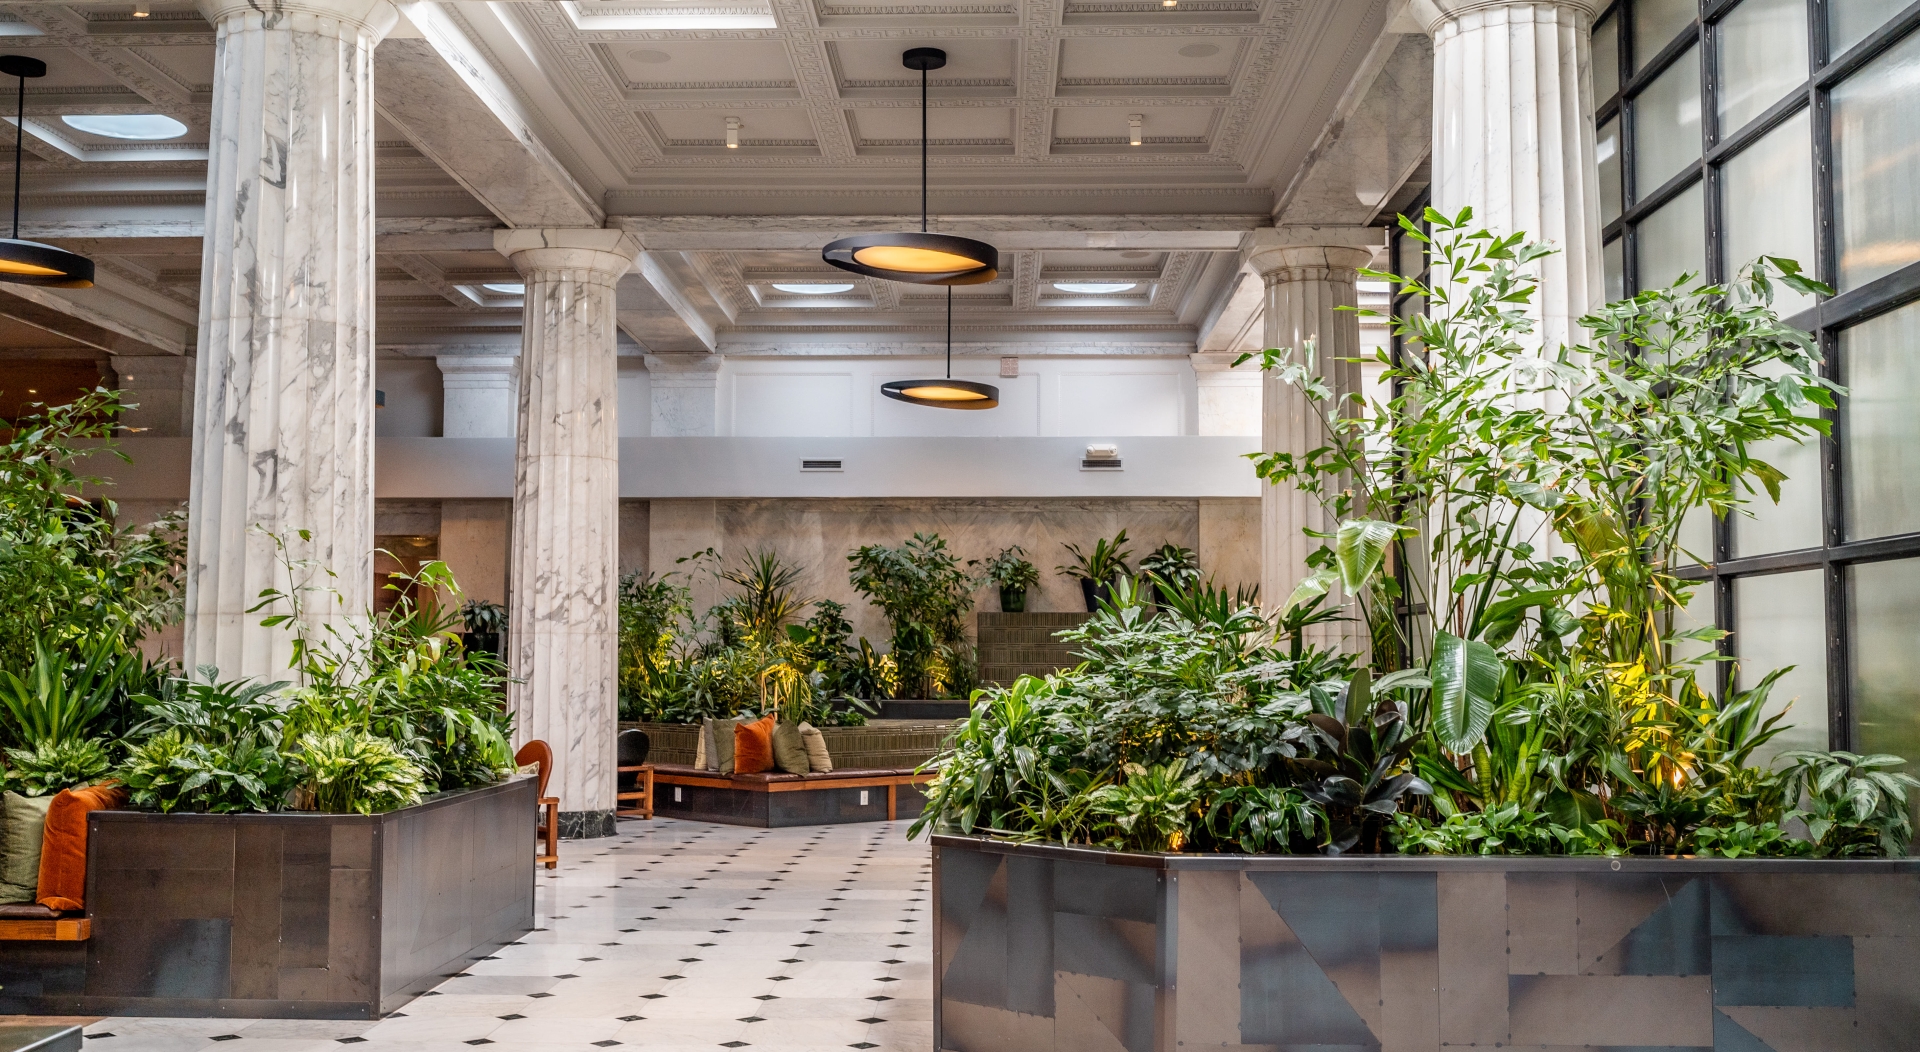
1014, 645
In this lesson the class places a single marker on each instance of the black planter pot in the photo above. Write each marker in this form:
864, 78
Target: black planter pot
1013, 600
483, 643
1096, 592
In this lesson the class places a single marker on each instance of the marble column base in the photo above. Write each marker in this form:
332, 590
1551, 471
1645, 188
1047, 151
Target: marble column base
587, 825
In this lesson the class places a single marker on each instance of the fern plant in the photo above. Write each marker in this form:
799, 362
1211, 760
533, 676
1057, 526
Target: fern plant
351, 771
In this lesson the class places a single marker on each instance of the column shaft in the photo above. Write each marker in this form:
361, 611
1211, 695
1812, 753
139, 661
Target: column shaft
283, 401
562, 623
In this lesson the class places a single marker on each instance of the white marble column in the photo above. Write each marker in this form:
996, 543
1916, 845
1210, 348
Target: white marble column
480, 395
1309, 273
686, 394
1227, 399
161, 388
1513, 136
562, 627
283, 403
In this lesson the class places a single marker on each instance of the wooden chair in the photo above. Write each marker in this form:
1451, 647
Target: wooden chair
547, 833
636, 776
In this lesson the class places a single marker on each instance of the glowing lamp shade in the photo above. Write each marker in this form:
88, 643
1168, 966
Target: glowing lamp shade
918, 259
943, 393
32, 263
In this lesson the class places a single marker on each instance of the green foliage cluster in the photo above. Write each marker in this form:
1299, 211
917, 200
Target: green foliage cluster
1009, 569
1526, 502
925, 594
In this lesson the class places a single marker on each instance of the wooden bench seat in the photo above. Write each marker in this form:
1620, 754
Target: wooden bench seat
32, 922
805, 799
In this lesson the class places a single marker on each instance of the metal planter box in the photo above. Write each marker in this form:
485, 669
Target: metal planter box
1052, 949
286, 915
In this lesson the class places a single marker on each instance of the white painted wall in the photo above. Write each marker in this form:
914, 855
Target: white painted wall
414, 398
636, 399
840, 397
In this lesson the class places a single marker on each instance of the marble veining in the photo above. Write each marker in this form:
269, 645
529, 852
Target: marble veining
283, 433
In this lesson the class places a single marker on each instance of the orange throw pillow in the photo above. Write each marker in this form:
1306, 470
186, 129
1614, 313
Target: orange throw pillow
63, 851
753, 746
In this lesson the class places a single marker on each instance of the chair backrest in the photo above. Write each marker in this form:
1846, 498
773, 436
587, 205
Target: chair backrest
536, 751
634, 747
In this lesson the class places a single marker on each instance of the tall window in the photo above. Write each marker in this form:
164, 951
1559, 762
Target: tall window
1729, 129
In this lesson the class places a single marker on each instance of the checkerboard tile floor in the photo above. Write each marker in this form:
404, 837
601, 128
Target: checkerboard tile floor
671, 936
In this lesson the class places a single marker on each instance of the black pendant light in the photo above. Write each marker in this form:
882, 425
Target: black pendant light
923, 258
946, 393
30, 262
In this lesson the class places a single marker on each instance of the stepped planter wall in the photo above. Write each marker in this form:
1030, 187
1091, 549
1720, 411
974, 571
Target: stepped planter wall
1052, 949
876, 746
286, 915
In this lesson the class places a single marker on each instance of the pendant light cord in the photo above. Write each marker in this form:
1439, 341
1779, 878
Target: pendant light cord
949, 332
923, 145
19, 144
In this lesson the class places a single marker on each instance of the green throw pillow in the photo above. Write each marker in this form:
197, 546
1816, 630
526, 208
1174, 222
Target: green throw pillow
720, 757
26, 823
789, 752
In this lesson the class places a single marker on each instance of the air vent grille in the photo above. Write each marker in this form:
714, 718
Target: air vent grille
822, 465
1103, 464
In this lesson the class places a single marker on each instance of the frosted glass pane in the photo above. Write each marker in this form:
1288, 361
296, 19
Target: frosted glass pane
1666, 122
1656, 23
1880, 422
1613, 261
1606, 60
1607, 143
1793, 523
1849, 21
1695, 537
1696, 614
1767, 197
1876, 179
1763, 55
1884, 614
1780, 620
1673, 241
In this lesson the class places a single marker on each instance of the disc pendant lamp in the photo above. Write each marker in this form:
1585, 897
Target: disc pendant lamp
944, 393
918, 258
30, 262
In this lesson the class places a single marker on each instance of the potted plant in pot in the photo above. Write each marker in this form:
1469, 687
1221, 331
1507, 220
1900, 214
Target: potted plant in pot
1098, 568
1172, 569
486, 621
1013, 575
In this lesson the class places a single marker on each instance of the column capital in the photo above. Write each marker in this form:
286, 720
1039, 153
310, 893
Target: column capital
700, 370
1435, 15
375, 18
1277, 253
469, 368
1207, 365
601, 253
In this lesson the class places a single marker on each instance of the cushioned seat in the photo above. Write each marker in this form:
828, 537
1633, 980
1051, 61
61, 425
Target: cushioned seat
29, 911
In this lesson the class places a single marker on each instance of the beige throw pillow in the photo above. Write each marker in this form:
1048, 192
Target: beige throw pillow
816, 744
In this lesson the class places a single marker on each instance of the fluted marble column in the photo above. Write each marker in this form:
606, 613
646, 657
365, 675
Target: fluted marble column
1513, 136
562, 629
1309, 273
283, 401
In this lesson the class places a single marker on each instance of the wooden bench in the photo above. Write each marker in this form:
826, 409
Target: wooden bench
29, 922
779, 799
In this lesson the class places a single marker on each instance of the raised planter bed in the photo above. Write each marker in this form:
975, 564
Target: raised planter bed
1045, 948
775, 799
880, 745
285, 915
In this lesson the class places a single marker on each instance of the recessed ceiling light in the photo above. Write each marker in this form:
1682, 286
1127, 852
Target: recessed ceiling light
811, 290
1095, 288
506, 288
1200, 50
649, 55
144, 126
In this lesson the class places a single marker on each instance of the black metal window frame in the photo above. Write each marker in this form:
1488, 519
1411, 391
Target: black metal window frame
1825, 320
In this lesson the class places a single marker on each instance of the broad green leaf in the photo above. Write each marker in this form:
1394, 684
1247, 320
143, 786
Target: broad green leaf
1313, 587
1360, 548
1466, 677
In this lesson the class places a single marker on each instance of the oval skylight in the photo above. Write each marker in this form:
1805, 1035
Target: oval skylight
506, 288
812, 290
1095, 288
145, 126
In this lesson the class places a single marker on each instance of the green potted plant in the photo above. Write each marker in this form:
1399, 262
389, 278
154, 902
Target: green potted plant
1098, 568
1172, 569
486, 621
1013, 575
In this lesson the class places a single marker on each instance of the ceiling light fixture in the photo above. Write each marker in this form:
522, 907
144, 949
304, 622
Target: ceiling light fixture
147, 127
945, 393
1095, 288
923, 258
506, 288
733, 133
30, 262
812, 290
1134, 120
142, 10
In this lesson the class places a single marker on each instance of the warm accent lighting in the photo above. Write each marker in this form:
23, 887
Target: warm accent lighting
142, 10
946, 392
733, 133
1134, 120
1169, 3
923, 258
30, 262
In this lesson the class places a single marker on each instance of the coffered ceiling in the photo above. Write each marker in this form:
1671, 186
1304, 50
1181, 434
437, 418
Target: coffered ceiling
615, 112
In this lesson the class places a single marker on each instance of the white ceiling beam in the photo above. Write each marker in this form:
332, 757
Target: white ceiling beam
1008, 233
444, 94
95, 317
